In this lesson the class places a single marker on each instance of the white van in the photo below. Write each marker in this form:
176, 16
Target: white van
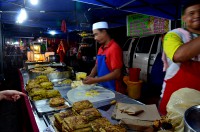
141, 52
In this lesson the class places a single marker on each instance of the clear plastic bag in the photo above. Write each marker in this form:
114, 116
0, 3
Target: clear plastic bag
179, 102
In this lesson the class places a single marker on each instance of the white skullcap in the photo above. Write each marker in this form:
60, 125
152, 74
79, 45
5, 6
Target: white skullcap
100, 25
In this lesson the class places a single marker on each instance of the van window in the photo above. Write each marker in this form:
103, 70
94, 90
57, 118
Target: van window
144, 44
126, 45
155, 45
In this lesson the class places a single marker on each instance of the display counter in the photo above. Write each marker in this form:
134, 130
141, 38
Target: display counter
38, 123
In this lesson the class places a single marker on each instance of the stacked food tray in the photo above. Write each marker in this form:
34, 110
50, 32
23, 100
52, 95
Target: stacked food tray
82, 116
43, 107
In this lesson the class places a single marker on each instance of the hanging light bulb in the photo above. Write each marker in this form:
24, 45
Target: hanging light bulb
34, 2
22, 16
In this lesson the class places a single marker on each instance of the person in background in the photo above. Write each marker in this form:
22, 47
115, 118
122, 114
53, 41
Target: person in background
109, 60
11, 95
182, 49
61, 51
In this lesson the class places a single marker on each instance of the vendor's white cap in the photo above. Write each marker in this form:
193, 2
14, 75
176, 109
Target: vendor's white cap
100, 25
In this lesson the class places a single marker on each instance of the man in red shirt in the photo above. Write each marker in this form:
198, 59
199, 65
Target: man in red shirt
109, 60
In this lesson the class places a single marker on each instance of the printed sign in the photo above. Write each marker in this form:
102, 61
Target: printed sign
143, 25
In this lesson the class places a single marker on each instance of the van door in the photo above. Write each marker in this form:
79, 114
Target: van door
155, 49
128, 50
142, 54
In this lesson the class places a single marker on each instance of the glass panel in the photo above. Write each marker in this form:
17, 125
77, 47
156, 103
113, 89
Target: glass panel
144, 44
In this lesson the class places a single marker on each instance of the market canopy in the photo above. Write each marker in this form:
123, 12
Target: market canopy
80, 14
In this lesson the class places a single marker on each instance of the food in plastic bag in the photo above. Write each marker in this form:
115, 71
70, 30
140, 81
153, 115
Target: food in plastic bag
179, 102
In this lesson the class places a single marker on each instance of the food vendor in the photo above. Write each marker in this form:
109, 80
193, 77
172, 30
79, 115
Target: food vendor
182, 49
109, 60
61, 51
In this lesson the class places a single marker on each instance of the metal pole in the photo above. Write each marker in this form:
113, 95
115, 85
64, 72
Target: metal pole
1, 52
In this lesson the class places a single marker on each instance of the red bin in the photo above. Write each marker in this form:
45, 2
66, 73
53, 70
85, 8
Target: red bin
134, 74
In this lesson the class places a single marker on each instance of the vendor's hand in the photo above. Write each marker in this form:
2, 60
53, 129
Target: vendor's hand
11, 95
89, 80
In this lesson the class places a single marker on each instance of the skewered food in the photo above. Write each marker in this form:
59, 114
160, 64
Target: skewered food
56, 101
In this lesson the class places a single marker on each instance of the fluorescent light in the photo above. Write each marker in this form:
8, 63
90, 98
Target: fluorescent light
22, 16
34, 2
52, 32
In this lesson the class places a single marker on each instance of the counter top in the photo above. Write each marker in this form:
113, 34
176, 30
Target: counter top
39, 121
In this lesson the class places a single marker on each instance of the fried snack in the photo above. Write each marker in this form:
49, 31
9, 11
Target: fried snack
37, 92
80, 105
39, 68
29, 87
52, 93
42, 77
113, 128
43, 80
91, 113
38, 97
56, 101
75, 122
66, 81
47, 85
58, 126
99, 123
33, 81
59, 117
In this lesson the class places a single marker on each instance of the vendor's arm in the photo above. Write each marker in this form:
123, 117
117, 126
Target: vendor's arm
94, 71
179, 52
11, 95
111, 76
187, 51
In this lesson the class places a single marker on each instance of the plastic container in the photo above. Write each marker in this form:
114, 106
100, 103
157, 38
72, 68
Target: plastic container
133, 88
134, 74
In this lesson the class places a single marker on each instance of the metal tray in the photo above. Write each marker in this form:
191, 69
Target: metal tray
49, 119
42, 107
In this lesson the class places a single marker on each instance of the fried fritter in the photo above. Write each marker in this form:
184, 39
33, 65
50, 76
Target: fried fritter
76, 122
91, 113
80, 105
52, 93
56, 101
99, 123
